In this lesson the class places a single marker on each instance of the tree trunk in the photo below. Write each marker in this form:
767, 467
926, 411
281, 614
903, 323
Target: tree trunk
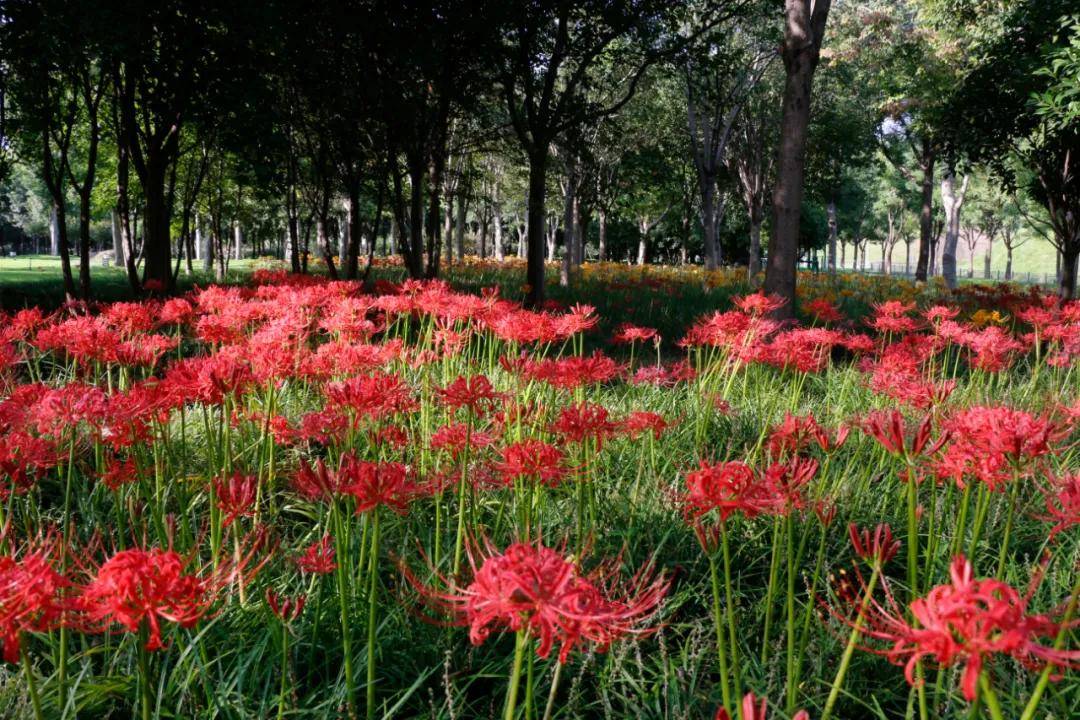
54, 232
708, 226
1008, 262
754, 264
568, 224
352, 252
157, 247
497, 233
602, 221
1070, 257
830, 210
322, 236
84, 239
459, 228
448, 230
952, 202
926, 214
800, 51
117, 239
643, 241
536, 215
238, 241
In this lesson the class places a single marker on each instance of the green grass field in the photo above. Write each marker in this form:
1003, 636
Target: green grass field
29, 280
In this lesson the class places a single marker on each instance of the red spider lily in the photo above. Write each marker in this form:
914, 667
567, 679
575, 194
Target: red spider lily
825, 511
579, 319
993, 348
755, 709
587, 421
455, 437
534, 460
787, 481
473, 393
323, 426
891, 316
235, 496
727, 488
936, 314
119, 473
140, 586
175, 311
536, 589
627, 333
130, 318
318, 558
797, 432
759, 303
32, 595
888, 429
338, 358
86, 339
523, 326
992, 444
571, 372
637, 423
823, 310
664, 376
878, 548
376, 395
806, 350
285, 608
316, 482
376, 484
63, 409
965, 621
1063, 503
23, 459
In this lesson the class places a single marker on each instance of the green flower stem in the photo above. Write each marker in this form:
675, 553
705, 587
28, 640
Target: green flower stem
31, 684
721, 652
1059, 642
284, 670
849, 649
373, 589
515, 674
990, 697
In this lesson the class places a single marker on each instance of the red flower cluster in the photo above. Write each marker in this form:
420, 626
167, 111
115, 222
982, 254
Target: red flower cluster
32, 596
536, 589
965, 621
532, 460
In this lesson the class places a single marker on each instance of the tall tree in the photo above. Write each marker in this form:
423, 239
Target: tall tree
804, 30
564, 64
1016, 112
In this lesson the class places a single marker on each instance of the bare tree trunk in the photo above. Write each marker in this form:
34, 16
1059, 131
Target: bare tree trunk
643, 240
801, 49
926, 213
459, 227
54, 232
238, 241
830, 210
952, 202
117, 239
1070, 263
322, 236
708, 226
568, 223
602, 222
1008, 262
497, 232
448, 230
536, 210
